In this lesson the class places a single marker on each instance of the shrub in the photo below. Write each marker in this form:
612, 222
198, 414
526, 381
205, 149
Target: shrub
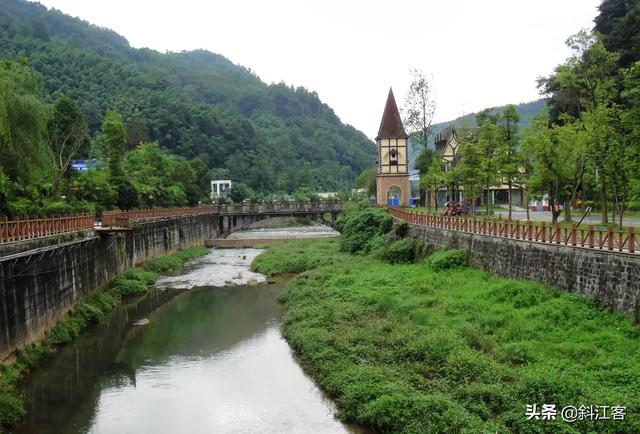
11, 409
163, 263
124, 286
66, 331
448, 259
361, 227
147, 277
400, 252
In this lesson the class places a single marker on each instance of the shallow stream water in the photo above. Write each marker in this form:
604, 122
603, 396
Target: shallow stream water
211, 360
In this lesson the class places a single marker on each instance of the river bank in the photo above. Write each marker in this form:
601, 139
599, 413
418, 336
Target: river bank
134, 282
406, 348
208, 357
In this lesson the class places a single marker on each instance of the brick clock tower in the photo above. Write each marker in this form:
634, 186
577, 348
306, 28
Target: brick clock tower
392, 176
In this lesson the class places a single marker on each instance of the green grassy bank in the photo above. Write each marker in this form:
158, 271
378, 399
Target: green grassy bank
133, 282
406, 348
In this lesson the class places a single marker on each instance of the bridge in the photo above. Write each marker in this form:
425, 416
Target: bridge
229, 218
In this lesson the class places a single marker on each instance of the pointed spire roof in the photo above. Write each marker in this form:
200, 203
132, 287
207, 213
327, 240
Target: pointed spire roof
391, 123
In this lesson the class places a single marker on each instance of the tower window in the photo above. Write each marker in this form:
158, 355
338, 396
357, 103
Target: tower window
393, 157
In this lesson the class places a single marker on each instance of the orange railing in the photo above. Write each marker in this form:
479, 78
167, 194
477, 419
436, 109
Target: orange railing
34, 227
542, 232
124, 218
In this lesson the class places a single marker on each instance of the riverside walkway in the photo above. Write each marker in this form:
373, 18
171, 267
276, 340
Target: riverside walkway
538, 232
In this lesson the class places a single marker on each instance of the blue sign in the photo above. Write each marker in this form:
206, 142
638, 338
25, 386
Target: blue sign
84, 165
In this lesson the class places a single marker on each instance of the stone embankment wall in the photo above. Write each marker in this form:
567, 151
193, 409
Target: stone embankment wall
39, 285
611, 278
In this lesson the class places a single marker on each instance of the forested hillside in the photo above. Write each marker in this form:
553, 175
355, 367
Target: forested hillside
526, 111
195, 104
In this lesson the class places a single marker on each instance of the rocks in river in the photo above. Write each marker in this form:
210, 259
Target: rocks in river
244, 257
252, 282
237, 276
141, 322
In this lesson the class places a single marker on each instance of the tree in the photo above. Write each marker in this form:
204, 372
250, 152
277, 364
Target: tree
23, 120
468, 171
114, 138
619, 25
487, 142
420, 106
422, 163
508, 156
367, 180
581, 86
631, 129
240, 192
67, 132
556, 156
433, 180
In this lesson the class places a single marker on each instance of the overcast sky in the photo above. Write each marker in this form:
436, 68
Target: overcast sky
479, 53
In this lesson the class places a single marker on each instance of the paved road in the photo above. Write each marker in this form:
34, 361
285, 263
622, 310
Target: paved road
546, 216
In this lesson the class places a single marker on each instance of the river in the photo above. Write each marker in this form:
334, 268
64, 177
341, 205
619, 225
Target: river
211, 360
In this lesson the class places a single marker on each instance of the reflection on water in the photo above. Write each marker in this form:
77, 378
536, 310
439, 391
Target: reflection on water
212, 360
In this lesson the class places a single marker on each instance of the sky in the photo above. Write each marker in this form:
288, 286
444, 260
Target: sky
478, 53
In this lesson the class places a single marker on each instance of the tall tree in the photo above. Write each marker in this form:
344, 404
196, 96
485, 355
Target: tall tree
619, 25
114, 139
580, 87
367, 180
422, 163
487, 142
508, 156
23, 120
67, 131
433, 180
556, 155
420, 106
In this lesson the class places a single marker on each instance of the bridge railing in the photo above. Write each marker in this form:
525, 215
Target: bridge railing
541, 232
124, 219
26, 228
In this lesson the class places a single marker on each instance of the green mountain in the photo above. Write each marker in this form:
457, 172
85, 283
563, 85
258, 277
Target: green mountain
195, 104
527, 112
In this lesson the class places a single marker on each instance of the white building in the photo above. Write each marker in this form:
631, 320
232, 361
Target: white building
220, 188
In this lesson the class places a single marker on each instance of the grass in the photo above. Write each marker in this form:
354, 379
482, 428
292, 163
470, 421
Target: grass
408, 349
132, 282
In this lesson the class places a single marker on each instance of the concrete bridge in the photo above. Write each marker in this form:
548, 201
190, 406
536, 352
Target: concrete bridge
236, 217
48, 264
228, 217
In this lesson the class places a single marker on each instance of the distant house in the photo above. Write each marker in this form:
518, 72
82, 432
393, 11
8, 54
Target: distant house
220, 188
447, 145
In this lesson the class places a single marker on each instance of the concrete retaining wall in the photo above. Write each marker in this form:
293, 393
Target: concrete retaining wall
38, 286
613, 279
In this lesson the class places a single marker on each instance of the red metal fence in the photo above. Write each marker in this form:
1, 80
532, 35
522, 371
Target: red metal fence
542, 232
34, 227
124, 218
